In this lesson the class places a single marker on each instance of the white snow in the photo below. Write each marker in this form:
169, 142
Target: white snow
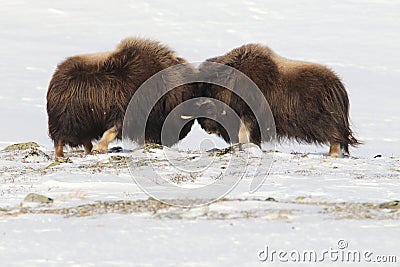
319, 200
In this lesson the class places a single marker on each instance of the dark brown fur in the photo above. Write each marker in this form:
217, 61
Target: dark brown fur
308, 101
89, 94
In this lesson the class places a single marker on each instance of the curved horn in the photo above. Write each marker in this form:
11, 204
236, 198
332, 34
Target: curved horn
185, 117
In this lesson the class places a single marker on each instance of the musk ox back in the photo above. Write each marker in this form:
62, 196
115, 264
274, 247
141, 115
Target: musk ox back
88, 94
308, 101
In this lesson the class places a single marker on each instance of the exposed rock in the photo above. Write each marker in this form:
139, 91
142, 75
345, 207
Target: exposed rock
36, 198
21, 146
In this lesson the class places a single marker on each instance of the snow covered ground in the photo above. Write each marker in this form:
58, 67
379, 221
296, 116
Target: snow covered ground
99, 216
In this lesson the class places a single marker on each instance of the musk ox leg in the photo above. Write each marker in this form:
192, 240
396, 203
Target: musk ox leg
335, 150
59, 150
244, 134
88, 146
108, 136
345, 150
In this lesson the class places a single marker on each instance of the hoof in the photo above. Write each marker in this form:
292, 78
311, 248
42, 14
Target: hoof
59, 156
335, 155
98, 151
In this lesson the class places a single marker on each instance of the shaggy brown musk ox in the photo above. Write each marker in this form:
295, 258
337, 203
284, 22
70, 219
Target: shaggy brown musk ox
308, 101
88, 94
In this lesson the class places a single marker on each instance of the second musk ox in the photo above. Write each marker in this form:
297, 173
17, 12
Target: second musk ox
88, 94
308, 101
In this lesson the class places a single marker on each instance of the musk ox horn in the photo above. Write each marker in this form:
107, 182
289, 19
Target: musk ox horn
185, 117
203, 101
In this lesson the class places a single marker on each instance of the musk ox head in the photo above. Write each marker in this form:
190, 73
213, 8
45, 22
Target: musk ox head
229, 102
216, 117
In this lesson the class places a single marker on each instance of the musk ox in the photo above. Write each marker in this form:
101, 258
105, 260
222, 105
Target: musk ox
308, 101
88, 94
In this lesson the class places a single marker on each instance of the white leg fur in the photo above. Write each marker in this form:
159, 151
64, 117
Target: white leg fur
108, 136
334, 151
244, 134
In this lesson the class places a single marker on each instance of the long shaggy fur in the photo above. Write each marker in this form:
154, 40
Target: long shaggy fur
308, 101
89, 94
